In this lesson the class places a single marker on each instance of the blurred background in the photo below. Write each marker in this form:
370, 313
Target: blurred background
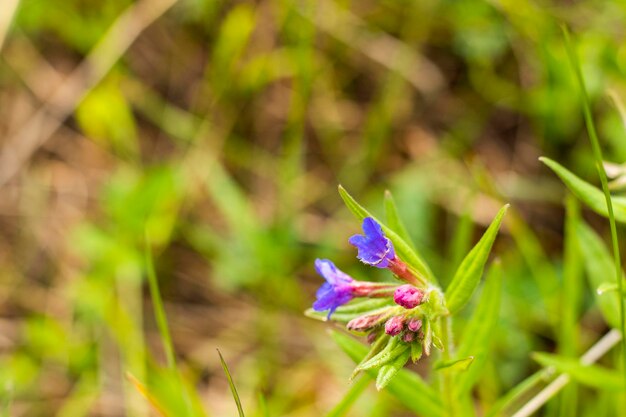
214, 133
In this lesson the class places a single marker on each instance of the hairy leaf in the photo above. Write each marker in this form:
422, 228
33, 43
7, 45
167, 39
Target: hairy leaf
387, 372
407, 387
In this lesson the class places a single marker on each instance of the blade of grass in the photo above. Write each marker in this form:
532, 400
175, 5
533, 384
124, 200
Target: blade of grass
355, 391
7, 400
597, 152
145, 392
570, 302
592, 355
231, 383
159, 312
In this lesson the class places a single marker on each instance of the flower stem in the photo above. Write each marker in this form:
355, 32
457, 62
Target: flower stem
447, 388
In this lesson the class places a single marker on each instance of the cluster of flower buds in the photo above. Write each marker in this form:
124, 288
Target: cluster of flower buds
398, 314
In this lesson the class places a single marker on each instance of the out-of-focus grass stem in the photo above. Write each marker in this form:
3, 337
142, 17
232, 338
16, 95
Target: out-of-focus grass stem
597, 152
159, 313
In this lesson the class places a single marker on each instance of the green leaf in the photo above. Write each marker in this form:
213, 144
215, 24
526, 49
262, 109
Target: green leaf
480, 331
455, 364
356, 390
468, 274
591, 375
402, 248
393, 349
608, 287
393, 219
231, 383
600, 271
355, 309
387, 372
407, 387
376, 347
587, 193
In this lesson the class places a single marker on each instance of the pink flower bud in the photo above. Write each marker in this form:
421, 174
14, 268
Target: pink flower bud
414, 325
408, 296
372, 336
363, 323
394, 326
408, 337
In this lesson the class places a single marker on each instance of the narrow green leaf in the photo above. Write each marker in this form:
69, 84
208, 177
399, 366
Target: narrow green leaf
407, 386
387, 372
376, 347
402, 248
356, 390
599, 267
611, 210
393, 349
455, 364
348, 312
394, 221
587, 193
468, 274
416, 351
519, 393
231, 383
161, 319
591, 375
149, 396
572, 284
606, 287
480, 331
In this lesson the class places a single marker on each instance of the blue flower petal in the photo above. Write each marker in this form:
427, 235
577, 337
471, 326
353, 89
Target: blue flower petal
336, 291
374, 247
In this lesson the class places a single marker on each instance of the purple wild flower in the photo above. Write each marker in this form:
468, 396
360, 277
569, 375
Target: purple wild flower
374, 247
336, 291
408, 296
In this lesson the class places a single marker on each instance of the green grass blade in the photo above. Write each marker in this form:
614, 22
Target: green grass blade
402, 248
468, 274
231, 383
570, 301
480, 331
407, 386
147, 394
394, 221
597, 152
599, 266
356, 390
590, 375
159, 312
517, 394
587, 193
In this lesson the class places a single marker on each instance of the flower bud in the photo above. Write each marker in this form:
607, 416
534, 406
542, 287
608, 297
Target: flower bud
363, 323
394, 326
372, 336
408, 337
414, 325
408, 296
